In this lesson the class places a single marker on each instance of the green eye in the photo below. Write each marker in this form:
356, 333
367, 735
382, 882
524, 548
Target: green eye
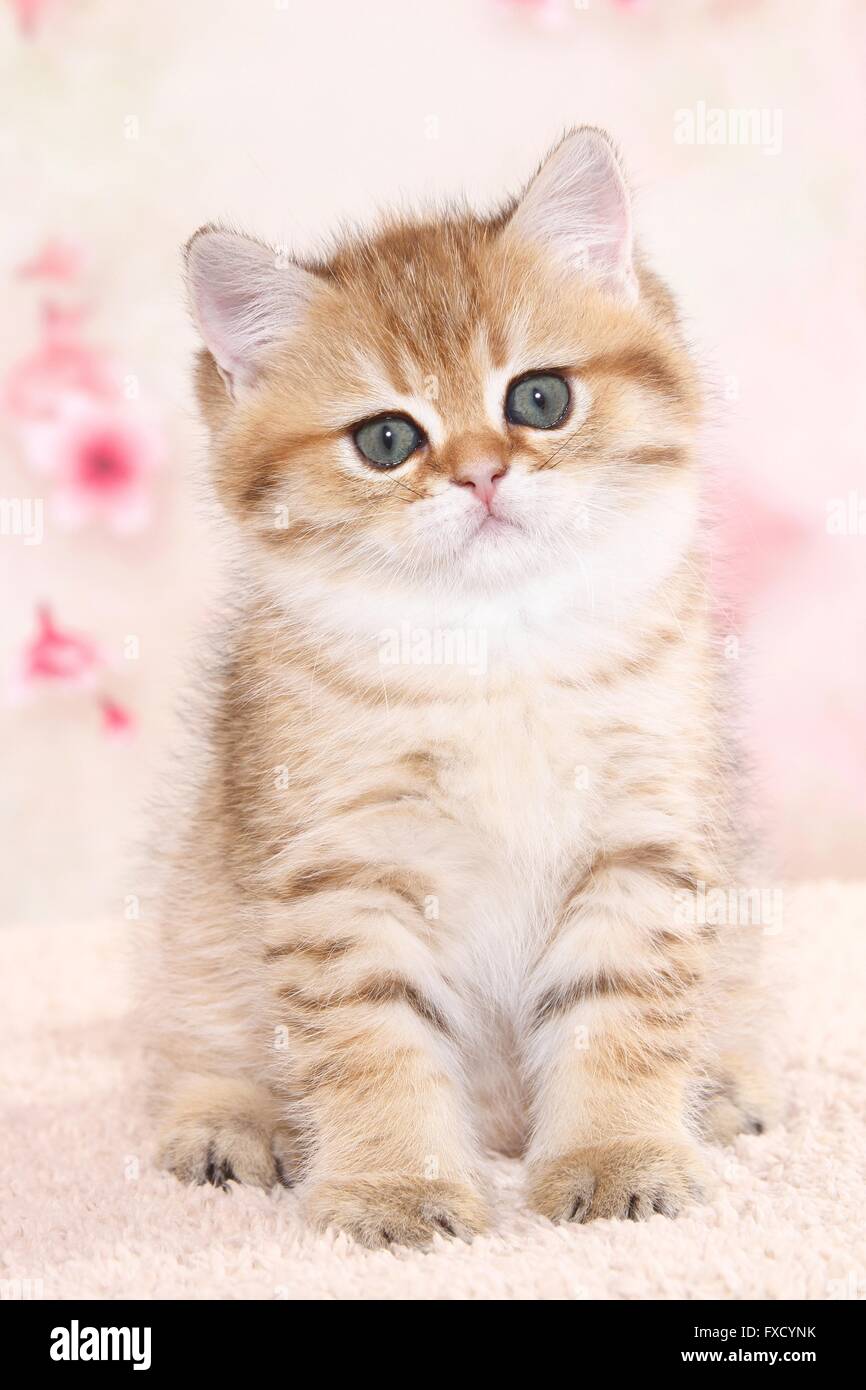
388, 440
540, 401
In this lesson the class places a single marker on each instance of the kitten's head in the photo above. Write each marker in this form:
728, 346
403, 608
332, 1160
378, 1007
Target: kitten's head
461, 403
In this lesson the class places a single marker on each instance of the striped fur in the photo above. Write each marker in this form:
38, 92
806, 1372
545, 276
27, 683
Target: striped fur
416, 908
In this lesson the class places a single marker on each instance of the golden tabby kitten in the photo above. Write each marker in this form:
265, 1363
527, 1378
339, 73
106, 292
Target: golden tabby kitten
465, 772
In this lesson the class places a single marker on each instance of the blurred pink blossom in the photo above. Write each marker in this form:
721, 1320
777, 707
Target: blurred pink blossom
755, 541
549, 12
55, 658
58, 660
29, 14
553, 11
62, 363
56, 260
101, 457
117, 722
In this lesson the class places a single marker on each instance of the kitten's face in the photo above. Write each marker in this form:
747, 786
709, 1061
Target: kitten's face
458, 406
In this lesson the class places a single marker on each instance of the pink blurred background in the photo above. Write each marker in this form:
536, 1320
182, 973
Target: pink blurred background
125, 126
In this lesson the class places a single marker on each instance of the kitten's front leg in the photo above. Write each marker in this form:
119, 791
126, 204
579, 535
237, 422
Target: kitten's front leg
610, 1046
370, 1052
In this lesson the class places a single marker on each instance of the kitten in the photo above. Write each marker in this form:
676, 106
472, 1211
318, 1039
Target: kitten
434, 892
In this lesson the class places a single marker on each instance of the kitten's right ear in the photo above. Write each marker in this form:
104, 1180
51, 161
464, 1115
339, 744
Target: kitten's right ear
245, 299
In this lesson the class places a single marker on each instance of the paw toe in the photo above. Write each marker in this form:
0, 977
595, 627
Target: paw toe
222, 1154
630, 1181
395, 1210
738, 1101
218, 1170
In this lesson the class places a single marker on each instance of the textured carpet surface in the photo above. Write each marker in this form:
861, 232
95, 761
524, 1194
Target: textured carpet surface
85, 1215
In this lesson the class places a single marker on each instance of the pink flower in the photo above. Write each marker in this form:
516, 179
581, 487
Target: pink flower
56, 658
57, 260
553, 12
117, 722
101, 457
61, 364
550, 12
754, 540
29, 13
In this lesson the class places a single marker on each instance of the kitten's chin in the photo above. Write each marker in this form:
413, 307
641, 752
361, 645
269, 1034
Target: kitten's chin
495, 525
492, 529
496, 552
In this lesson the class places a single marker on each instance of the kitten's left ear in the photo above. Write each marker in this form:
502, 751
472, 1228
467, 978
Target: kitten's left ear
578, 207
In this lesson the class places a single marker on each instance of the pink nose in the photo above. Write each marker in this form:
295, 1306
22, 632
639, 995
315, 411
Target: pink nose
483, 477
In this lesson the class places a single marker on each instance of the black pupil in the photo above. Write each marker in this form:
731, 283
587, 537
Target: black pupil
538, 397
388, 437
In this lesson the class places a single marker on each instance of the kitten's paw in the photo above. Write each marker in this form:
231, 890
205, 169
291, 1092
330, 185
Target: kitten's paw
739, 1102
725, 1117
628, 1179
222, 1131
389, 1209
231, 1151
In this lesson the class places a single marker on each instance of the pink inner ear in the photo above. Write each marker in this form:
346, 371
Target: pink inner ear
233, 283
243, 301
220, 312
615, 215
578, 205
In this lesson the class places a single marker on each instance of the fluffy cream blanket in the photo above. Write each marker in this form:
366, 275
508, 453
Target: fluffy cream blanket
86, 1215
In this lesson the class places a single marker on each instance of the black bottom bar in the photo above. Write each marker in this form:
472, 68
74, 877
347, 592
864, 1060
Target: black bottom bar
222, 1338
